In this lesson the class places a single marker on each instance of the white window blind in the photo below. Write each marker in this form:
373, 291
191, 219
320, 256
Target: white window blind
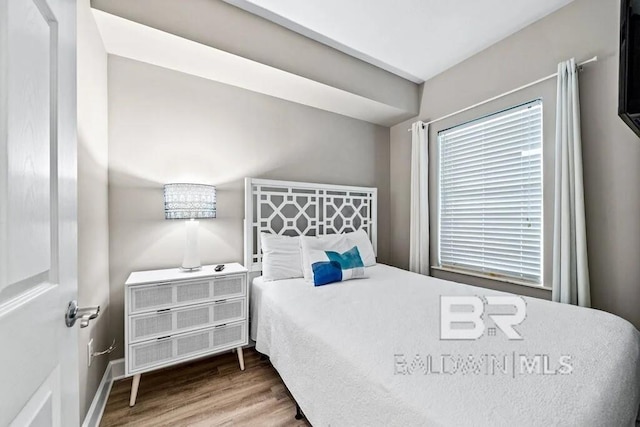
491, 194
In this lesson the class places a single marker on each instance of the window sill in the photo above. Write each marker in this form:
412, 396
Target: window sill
489, 277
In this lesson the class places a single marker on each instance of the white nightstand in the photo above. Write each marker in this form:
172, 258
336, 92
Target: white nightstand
172, 317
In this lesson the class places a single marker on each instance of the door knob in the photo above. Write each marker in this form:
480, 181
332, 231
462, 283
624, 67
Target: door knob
85, 314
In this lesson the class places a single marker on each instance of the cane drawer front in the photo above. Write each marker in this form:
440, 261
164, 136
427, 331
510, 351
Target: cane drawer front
175, 348
159, 296
171, 321
230, 286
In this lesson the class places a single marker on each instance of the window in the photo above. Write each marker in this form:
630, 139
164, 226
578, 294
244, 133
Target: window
490, 212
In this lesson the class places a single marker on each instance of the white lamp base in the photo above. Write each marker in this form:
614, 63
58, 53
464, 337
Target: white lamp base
191, 260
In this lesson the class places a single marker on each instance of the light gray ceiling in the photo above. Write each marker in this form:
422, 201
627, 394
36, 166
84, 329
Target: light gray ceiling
415, 39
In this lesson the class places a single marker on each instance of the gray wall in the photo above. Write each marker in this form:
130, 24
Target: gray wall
611, 152
218, 24
165, 126
93, 220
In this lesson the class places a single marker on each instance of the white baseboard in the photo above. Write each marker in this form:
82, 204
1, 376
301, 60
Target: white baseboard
117, 369
114, 371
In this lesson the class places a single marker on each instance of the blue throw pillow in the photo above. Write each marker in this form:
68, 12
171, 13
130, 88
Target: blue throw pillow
347, 260
334, 267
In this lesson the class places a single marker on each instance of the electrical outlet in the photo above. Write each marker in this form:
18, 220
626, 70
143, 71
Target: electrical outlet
89, 352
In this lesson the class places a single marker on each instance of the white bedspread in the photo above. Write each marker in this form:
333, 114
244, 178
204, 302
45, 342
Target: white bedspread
339, 349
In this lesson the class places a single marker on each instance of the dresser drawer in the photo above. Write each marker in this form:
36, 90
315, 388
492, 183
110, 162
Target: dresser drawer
171, 321
164, 295
163, 351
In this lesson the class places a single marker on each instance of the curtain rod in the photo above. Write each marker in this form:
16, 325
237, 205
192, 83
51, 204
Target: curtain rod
544, 79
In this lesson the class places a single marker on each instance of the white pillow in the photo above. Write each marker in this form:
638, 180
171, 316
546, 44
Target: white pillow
361, 240
327, 242
281, 257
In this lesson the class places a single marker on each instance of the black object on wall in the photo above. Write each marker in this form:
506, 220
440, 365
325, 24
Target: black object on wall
629, 94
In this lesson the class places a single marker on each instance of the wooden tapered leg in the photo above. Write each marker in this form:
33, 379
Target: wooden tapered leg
240, 358
134, 389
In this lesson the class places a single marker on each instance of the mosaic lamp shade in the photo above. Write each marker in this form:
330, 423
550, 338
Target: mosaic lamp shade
189, 201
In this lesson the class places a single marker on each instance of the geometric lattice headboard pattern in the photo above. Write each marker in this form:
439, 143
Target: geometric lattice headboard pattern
304, 209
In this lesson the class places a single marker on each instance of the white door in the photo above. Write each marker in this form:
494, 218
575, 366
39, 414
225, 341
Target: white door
38, 353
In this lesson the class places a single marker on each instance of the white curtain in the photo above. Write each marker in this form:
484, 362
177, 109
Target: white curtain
570, 267
419, 237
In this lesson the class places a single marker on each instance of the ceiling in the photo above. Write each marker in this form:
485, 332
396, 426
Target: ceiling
415, 39
129, 39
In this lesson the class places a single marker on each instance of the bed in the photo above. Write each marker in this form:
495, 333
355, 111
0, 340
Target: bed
369, 351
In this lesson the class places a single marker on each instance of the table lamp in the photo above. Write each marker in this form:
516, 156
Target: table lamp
190, 202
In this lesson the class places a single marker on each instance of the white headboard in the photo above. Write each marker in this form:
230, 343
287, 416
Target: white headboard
304, 209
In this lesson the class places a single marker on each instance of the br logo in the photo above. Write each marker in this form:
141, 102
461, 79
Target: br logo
461, 317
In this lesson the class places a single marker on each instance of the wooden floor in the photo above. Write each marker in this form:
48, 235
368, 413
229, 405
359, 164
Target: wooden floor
209, 392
